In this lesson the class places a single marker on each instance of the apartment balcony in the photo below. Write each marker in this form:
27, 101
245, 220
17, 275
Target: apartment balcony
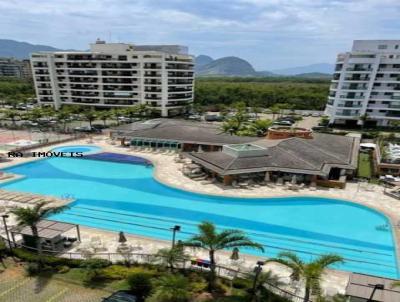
119, 102
118, 66
348, 106
152, 82
85, 101
81, 72
119, 81
79, 87
152, 74
361, 79
40, 72
81, 66
175, 89
84, 80
352, 97
395, 114
152, 89
355, 69
347, 113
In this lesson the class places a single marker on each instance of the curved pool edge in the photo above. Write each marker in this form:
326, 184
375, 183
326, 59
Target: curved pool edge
161, 179
389, 217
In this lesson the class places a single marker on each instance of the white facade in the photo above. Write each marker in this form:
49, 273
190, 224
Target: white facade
116, 75
366, 84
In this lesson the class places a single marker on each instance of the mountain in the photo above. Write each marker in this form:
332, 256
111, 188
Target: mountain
21, 50
313, 68
227, 66
202, 60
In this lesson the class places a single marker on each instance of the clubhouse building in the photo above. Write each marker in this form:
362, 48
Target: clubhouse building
323, 159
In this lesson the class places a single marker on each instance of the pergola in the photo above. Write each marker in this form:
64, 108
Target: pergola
156, 143
50, 232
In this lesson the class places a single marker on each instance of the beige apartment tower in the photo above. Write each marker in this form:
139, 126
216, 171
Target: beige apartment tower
116, 75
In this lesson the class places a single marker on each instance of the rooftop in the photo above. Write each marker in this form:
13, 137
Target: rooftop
307, 155
361, 286
181, 131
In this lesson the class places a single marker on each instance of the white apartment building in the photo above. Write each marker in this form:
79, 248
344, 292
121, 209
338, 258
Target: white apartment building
116, 75
366, 84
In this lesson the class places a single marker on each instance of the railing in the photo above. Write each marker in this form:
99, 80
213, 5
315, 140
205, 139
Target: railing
221, 271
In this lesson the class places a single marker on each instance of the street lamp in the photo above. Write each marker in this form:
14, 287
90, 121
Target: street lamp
257, 270
175, 229
5, 216
376, 286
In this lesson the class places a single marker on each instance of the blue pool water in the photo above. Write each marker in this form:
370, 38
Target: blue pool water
125, 197
84, 149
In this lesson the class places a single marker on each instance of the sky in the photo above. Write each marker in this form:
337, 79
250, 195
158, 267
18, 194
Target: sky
270, 34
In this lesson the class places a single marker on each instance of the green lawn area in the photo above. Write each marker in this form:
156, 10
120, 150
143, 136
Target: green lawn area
364, 166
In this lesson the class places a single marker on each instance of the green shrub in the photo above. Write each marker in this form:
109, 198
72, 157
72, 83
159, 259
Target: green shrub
240, 283
118, 272
140, 285
49, 260
62, 269
32, 269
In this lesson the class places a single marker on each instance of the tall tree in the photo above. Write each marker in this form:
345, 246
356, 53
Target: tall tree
12, 115
209, 238
90, 116
310, 273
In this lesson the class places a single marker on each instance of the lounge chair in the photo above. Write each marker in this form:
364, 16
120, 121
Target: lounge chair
235, 184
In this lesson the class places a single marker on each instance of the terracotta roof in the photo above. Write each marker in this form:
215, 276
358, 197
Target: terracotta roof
361, 286
181, 131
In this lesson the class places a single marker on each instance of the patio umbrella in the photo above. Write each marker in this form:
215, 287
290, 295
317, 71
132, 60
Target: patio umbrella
235, 254
267, 177
122, 238
294, 179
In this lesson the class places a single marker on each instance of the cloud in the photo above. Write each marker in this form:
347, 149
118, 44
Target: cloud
268, 33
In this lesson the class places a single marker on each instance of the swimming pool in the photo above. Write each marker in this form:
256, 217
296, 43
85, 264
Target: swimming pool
85, 149
125, 197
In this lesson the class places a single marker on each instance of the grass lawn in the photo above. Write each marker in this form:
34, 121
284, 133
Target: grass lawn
364, 166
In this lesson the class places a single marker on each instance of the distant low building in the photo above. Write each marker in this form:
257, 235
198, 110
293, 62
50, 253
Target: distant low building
10, 67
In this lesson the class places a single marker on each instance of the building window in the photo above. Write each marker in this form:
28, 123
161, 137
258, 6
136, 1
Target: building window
382, 46
382, 111
396, 46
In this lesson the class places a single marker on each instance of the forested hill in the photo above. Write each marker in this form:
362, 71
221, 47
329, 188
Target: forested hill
297, 93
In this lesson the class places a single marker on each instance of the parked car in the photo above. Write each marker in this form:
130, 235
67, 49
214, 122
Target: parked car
86, 129
316, 114
99, 126
213, 118
194, 117
283, 123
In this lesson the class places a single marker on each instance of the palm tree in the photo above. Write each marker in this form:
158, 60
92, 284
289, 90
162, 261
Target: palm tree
90, 116
171, 288
260, 127
12, 115
260, 292
173, 256
104, 116
63, 116
32, 216
310, 272
274, 110
212, 240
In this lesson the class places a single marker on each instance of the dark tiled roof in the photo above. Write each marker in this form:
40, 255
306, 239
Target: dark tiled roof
180, 130
290, 154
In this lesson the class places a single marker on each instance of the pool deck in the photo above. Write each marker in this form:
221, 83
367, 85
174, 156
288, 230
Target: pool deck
167, 171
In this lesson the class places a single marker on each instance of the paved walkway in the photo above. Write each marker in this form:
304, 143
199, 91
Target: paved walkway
16, 287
